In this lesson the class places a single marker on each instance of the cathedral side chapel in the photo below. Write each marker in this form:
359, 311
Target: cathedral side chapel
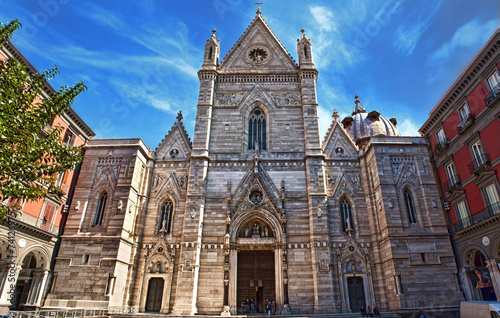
256, 206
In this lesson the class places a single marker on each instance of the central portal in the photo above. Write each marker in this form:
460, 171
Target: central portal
256, 278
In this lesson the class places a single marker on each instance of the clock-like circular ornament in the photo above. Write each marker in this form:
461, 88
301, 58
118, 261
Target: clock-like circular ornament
258, 55
174, 153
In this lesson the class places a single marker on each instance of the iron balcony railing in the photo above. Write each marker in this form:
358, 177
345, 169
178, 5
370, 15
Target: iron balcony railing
492, 95
478, 162
453, 181
489, 211
442, 143
465, 122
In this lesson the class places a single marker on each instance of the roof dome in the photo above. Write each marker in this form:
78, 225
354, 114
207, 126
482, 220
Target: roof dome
363, 125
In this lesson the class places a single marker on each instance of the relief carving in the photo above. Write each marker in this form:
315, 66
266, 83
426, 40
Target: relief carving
228, 99
286, 99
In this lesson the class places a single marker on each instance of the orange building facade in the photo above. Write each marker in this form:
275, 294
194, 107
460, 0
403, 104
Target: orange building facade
27, 243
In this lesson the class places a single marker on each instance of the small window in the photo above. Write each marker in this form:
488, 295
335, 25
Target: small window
257, 130
49, 213
69, 138
85, 259
492, 198
453, 178
101, 207
478, 154
166, 217
346, 214
493, 80
410, 207
462, 214
464, 113
441, 137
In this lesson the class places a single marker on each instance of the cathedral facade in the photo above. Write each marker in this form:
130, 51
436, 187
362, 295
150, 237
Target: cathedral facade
256, 206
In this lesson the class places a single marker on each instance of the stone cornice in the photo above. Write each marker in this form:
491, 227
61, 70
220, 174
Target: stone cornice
464, 82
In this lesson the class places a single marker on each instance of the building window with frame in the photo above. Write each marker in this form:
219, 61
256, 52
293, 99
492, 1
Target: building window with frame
453, 177
346, 214
69, 138
410, 206
101, 207
493, 80
48, 215
478, 155
465, 116
462, 214
492, 198
167, 210
257, 130
441, 138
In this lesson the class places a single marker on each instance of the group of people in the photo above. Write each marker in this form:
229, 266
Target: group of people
249, 306
369, 313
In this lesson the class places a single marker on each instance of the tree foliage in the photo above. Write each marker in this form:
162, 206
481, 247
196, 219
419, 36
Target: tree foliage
32, 153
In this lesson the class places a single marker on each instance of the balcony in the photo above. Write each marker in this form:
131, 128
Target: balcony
489, 211
440, 146
492, 95
39, 223
452, 183
465, 122
479, 164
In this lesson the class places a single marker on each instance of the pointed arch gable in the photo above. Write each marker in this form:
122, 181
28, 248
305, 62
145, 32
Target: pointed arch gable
266, 216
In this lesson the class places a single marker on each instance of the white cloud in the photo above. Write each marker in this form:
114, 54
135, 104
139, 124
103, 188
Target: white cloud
408, 128
473, 33
323, 17
408, 34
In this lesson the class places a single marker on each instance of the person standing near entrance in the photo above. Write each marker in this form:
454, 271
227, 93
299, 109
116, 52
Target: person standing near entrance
247, 306
268, 307
252, 306
273, 308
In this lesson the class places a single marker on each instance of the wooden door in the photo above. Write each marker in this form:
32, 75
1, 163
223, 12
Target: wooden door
356, 293
256, 278
155, 294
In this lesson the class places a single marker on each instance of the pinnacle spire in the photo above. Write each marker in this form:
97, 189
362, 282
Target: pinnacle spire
258, 3
359, 108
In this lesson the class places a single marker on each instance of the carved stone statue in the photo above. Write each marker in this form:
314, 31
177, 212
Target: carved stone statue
256, 229
247, 231
266, 231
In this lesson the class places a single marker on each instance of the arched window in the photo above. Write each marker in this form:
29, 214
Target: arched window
257, 130
346, 214
101, 206
166, 217
410, 207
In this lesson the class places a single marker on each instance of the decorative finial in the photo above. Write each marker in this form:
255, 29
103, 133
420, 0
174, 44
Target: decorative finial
358, 109
179, 116
258, 3
303, 32
335, 115
213, 33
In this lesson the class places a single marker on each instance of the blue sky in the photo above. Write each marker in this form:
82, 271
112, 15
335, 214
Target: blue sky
139, 58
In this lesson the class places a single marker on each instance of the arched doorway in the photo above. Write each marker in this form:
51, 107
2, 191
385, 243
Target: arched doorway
24, 281
480, 277
257, 264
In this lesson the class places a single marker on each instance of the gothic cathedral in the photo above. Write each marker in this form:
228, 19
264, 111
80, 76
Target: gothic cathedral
256, 206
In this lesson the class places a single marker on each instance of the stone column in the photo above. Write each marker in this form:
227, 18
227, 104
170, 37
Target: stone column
492, 266
34, 288
7, 292
464, 281
43, 285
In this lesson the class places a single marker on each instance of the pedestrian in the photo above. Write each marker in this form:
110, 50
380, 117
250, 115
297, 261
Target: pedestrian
252, 306
421, 314
369, 312
242, 307
268, 307
363, 311
376, 312
273, 308
247, 306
